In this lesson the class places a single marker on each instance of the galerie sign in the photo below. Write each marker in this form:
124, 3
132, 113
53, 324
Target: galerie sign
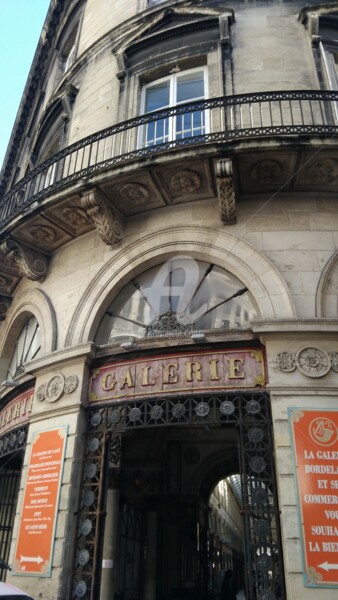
315, 445
180, 373
34, 548
16, 412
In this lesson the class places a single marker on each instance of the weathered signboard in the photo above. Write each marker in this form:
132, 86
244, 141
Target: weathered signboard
315, 446
34, 548
179, 374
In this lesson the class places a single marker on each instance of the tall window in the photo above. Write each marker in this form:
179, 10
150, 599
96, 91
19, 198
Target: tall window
177, 88
177, 298
27, 346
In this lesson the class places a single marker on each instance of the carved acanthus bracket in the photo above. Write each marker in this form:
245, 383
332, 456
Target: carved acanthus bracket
5, 302
108, 225
226, 191
30, 263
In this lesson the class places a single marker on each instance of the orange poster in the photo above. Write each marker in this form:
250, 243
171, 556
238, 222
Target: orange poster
34, 548
315, 445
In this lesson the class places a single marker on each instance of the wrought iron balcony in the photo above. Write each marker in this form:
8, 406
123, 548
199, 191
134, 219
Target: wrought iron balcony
217, 120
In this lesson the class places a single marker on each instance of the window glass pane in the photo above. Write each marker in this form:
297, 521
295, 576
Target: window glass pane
190, 87
183, 291
157, 96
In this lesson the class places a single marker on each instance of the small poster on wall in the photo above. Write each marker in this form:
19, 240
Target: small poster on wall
315, 450
35, 542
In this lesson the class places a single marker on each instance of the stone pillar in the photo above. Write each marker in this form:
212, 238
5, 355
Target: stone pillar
110, 555
150, 562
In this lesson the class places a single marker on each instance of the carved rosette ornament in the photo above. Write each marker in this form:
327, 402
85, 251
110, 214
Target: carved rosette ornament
185, 182
75, 215
311, 361
136, 193
108, 225
43, 234
54, 389
226, 191
31, 264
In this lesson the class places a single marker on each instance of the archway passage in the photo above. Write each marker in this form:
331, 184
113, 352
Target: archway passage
149, 476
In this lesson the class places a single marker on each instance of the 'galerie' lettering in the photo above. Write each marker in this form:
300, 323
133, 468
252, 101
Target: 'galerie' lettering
171, 373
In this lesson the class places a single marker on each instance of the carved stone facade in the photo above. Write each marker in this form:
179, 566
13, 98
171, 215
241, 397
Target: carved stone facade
168, 289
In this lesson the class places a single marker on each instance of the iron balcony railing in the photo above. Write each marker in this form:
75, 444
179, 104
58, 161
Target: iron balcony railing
224, 119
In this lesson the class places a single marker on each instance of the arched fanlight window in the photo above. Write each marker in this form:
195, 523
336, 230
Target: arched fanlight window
27, 346
175, 299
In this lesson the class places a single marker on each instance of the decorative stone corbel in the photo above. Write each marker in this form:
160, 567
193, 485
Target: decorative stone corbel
226, 191
108, 225
30, 263
121, 65
5, 302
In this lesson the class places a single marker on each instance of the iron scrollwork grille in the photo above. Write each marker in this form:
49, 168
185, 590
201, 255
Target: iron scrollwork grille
250, 414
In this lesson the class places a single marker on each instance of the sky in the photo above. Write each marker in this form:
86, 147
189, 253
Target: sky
21, 23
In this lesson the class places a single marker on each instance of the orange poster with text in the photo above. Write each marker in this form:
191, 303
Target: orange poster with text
315, 444
34, 548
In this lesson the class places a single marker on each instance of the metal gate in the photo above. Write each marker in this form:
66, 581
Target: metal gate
250, 415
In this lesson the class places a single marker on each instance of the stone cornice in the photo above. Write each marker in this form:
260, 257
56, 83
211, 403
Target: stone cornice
295, 327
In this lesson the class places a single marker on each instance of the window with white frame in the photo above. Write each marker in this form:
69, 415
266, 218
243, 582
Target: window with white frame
27, 347
174, 90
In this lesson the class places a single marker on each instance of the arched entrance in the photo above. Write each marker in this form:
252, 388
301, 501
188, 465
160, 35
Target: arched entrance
150, 470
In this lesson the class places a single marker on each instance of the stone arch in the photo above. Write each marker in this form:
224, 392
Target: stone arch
29, 302
327, 290
256, 272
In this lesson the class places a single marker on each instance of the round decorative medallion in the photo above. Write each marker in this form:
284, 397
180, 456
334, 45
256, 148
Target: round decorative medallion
134, 414
264, 562
260, 496
253, 407
334, 361
83, 557
90, 470
86, 527
324, 170
285, 361
81, 589
93, 445
227, 407
202, 409
88, 498
71, 384
75, 215
185, 182
54, 388
178, 411
40, 393
267, 595
95, 419
136, 192
12, 439
156, 412
257, 464
22, 436
114, 417
262, 527
313, 362
42, 233
255, 435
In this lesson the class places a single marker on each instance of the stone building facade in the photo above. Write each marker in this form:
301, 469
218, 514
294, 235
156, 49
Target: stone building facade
168, 303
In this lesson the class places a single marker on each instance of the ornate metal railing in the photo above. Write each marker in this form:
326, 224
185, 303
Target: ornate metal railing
228, 118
